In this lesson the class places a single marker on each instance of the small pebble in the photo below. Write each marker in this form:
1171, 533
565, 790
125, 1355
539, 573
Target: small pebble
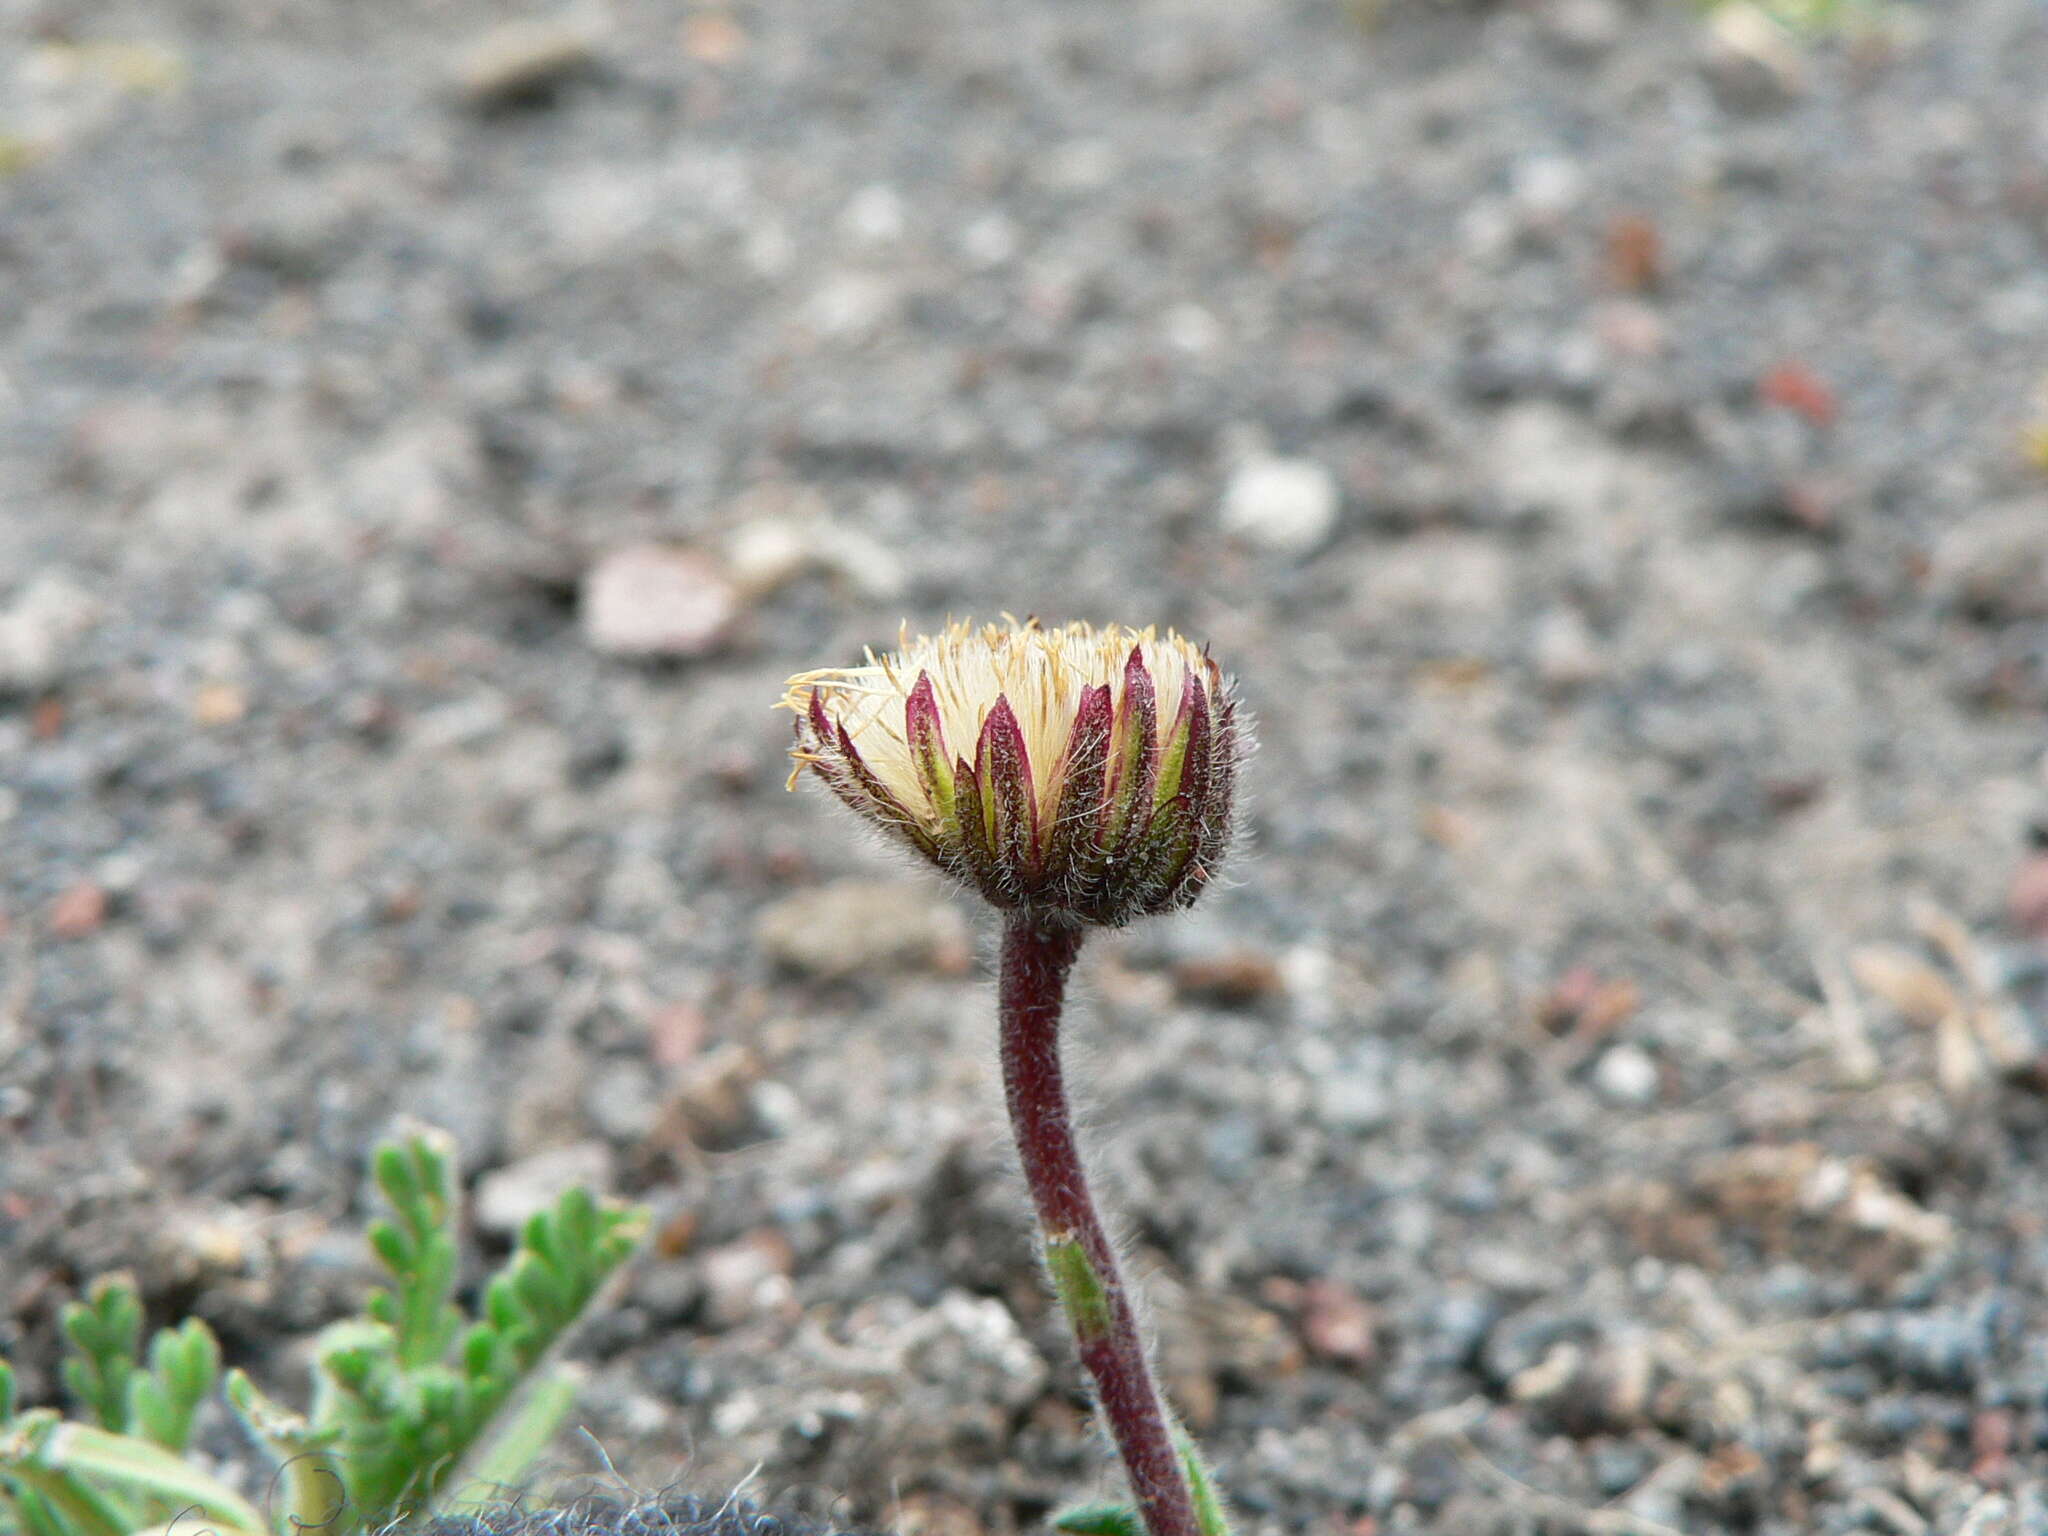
508, 1197
712, 37
1992, 564
621, 1102
1288, 506
1352, 1102
1337, 1323
522, 63
2027, 901
1749, 60
651, 600
1546, 187
1240, 979
850, 926
78, 911
1545, 461
1565, 650
744, 1277
1582, 30
768, 553
39, 629
1626, 1074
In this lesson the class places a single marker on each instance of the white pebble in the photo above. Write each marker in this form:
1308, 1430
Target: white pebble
1285, 505
1626, 1074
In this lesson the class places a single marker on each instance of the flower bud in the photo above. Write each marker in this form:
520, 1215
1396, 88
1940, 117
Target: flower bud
1074, 770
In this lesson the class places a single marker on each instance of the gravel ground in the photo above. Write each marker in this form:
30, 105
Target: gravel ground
1610, 1095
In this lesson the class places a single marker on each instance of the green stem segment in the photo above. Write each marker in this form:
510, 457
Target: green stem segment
1037, 955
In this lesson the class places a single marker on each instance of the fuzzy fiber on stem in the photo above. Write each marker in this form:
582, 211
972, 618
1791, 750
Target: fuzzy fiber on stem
1038, 952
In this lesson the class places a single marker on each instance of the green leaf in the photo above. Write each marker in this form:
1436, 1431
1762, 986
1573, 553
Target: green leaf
390, 1246
479, 1350
397, 1430
182, 1526
58, 1457
1111, 1518
105, 1334
1107, 1519
184, 1365
1079, 1289
1210, 1515
37, 1516
315, 1492
74, 1507
417, 1246
489, 1476
565, 1255
501, 1302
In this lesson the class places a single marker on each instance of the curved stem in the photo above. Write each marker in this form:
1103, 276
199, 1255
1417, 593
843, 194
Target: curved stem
1036, 958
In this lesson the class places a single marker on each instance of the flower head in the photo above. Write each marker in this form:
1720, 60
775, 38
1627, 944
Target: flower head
1079, 770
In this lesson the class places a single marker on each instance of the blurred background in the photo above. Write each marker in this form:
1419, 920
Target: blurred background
1606, 439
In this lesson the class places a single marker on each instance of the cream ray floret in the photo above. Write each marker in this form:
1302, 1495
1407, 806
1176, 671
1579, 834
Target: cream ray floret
1041, 672
1079, 767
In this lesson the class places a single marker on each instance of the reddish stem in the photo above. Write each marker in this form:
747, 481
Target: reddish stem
1037, 955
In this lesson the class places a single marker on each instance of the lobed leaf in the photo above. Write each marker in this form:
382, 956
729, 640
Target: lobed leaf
104, 1333
184, 1365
